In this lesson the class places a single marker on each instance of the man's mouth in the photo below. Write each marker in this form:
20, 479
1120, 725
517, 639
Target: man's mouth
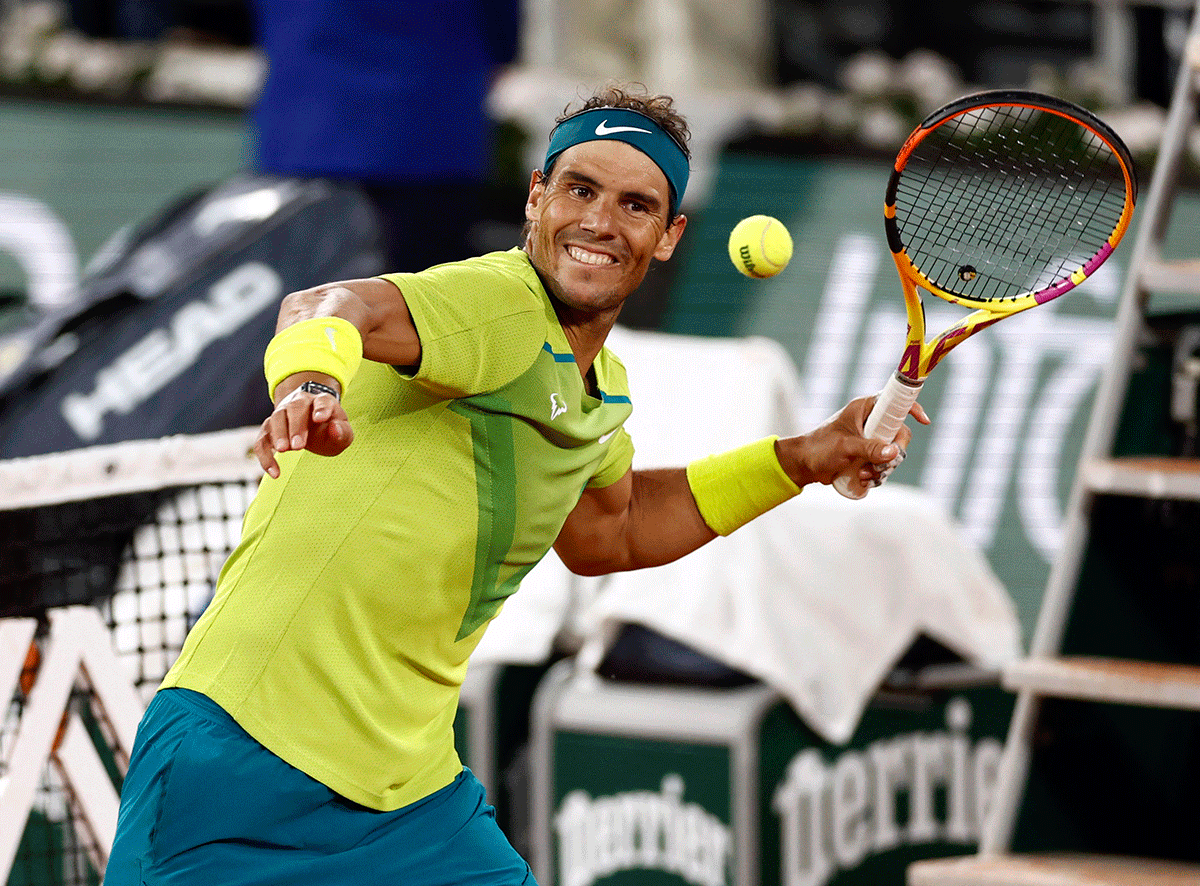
587, 257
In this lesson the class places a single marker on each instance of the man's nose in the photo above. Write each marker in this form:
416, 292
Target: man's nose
599, 217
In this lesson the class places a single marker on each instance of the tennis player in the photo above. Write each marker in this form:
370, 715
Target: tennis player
305, 733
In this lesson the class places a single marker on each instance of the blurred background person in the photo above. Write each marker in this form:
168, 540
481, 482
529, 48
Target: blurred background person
206, 21
391, 94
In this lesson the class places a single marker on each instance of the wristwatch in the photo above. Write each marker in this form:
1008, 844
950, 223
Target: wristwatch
315, 387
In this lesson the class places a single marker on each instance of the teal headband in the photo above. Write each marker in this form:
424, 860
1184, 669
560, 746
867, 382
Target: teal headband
630, 127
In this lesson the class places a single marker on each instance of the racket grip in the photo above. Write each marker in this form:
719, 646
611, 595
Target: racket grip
888, 414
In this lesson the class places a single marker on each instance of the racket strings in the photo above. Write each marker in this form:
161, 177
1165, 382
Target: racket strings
1012, 200
1005, 200
1086, 195
1021, 218
1041, 213
1017, 229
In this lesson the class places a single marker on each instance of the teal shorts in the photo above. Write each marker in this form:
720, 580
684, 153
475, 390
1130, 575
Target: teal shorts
204, 803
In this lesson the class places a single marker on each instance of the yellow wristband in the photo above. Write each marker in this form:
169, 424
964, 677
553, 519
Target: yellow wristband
321, 344
734, 487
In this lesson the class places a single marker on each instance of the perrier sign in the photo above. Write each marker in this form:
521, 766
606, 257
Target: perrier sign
642, 831
638, 811
914, 790
776, 805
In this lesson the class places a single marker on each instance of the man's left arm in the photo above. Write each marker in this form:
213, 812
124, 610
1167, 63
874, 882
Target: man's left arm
644, 519
651, 517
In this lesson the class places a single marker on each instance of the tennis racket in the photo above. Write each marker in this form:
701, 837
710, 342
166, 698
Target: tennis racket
999, 202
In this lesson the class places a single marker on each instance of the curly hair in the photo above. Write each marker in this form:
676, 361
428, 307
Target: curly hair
636, 97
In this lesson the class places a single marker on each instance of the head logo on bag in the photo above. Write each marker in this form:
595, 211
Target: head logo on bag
166, 337
166, 352
163, 337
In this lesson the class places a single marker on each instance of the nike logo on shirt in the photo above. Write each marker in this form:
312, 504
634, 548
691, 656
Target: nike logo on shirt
604, 129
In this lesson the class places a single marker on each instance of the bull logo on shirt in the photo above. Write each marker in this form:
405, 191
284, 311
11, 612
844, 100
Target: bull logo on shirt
557, 406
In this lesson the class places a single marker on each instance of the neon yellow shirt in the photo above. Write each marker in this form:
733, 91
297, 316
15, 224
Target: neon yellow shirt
341, 626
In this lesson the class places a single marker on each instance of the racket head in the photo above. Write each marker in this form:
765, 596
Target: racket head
1007, 199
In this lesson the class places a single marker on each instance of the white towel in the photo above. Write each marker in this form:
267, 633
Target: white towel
820, 597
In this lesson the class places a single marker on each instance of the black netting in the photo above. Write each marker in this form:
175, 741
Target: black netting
148, 562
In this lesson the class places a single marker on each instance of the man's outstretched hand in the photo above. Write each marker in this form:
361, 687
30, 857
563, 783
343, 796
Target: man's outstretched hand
300, 420
838, 447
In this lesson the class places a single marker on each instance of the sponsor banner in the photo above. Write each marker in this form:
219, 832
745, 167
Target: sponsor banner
641, 830
915, 790
914, 782
651, 812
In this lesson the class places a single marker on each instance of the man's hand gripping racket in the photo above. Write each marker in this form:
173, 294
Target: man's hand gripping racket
999, 202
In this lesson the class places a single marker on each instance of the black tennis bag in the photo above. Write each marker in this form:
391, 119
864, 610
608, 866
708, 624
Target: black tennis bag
168, 331
166, 337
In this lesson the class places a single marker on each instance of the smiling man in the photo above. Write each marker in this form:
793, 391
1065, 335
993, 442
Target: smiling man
305, 734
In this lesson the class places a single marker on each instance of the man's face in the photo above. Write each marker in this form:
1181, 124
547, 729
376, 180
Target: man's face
596, 223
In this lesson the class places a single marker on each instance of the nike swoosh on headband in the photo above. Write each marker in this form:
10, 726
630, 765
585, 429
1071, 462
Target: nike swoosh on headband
604, 129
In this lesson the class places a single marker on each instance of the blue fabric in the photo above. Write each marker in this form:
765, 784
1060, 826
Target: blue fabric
381, 90
204, 803
632, 128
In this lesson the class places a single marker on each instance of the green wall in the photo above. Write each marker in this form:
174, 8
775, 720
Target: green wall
98, 168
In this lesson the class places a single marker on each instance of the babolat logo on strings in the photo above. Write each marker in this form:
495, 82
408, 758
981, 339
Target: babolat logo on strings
641, 830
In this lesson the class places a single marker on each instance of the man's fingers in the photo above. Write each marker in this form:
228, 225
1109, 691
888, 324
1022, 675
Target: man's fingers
302, 421
276, 429
292, 426
881, 453
300, 411
265, 451
298, 407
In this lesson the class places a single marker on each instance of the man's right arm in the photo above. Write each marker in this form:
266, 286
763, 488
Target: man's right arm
317, 422
375, 307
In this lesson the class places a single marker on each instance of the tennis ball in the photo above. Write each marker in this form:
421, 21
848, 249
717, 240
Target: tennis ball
760, 246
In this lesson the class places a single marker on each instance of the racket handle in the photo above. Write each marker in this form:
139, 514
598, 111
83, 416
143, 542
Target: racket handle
890, 410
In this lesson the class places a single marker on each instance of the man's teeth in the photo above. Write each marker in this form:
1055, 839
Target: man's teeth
589, 258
